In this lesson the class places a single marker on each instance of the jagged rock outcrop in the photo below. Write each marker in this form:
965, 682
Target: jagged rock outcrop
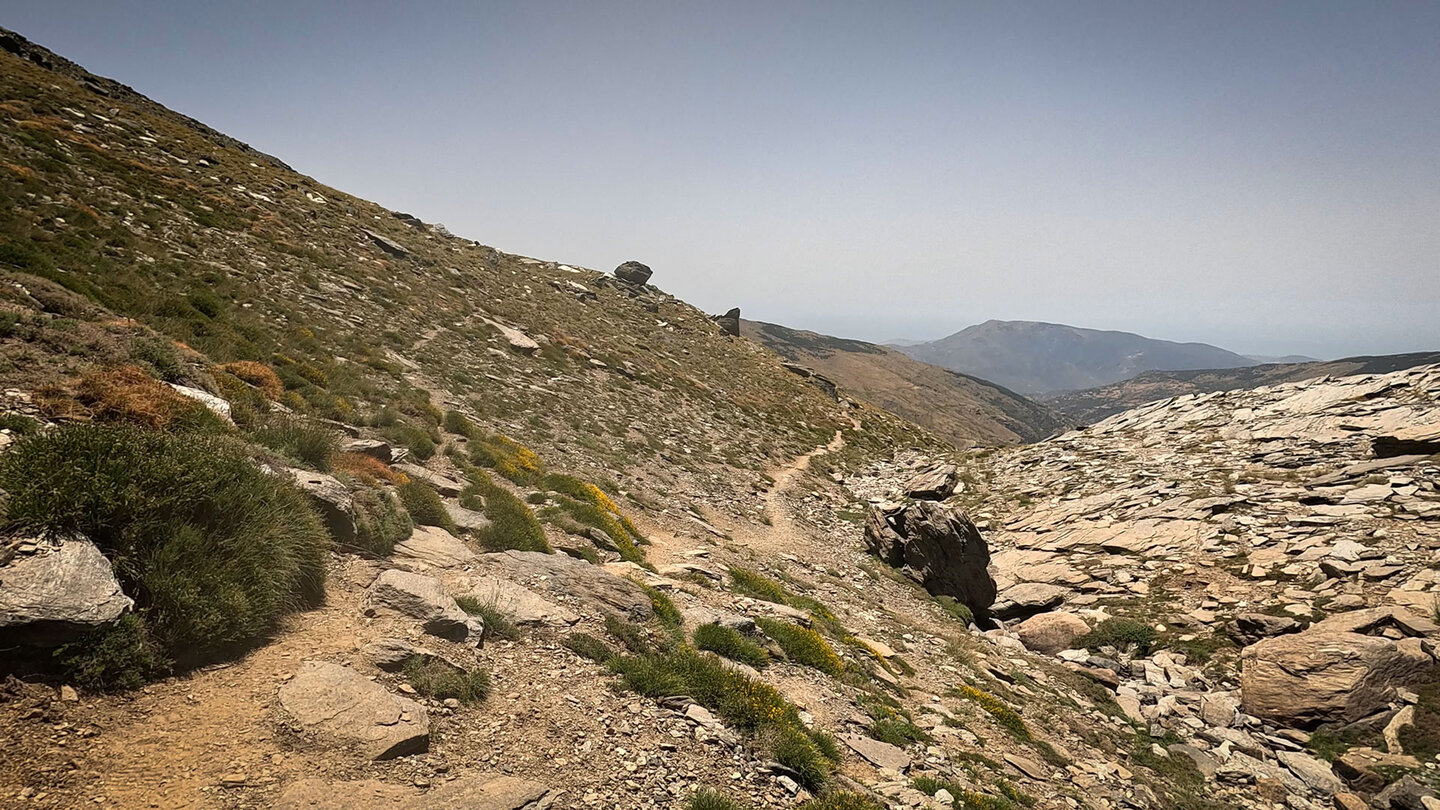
937, 546
569, 580
341, 704
53, 592
730, 322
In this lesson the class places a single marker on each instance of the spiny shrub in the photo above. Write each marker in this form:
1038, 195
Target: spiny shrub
505, 456
762, 587
380, 521
665, 609
437, 678
728, 642
707, 799
19, 424
497, 622
424, 505
418, 440
803, 646
842, 800
897, 731
797, 749
159, 354
588, 646
213, 550
588, 514
1004, 715
929, 785
300, 439
259, 375
512, 524
633, 636
956, 608
459, 424
120, 656
1120, 633
128, 395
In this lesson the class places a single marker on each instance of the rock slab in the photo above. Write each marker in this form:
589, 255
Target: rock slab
340, 703
50, 596
419, 597
1322, 676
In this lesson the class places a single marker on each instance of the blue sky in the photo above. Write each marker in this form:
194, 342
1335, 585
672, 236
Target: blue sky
1260, 175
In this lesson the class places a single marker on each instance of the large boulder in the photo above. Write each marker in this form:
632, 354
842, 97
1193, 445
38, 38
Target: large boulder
433, 547
54, 592
339, 703
1025, 599
1327, 676
1050, 633
937, 546
634, 272
522, 605
419, 597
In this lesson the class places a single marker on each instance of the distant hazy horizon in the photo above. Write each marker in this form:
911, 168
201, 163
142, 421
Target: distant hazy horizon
1261, 177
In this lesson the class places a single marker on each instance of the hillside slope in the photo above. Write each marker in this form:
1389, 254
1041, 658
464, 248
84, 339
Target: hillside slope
1093, 404
961, 409
1036, 358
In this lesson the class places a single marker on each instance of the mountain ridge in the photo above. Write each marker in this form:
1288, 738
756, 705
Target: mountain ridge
1038, 357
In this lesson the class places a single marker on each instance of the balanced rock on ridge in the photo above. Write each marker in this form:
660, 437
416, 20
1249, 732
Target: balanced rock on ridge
634, 272
938, 547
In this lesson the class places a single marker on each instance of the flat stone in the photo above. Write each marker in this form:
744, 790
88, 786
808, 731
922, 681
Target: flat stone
704, 614
1313, 772
473, 792
1325, 676
1026, 599
1029, 767
434, 547
877, 753
522, 605
467, 519
339, 703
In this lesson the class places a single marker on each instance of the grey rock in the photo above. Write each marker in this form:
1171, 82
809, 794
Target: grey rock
419, 597
331, 499
388, 245
51, 596
467, 519
1025, 599
934, 484
336, 702
1315, 773
938, 547
877, 753
703, 614
390, 654
470, 792
433, 547
374, 448
1323, 676
634, 272
1248, 628
216, 405
446, 486
730, 322
568, 580
1050, 633
522, 605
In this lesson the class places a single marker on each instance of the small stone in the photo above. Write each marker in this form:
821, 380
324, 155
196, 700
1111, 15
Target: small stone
233, 780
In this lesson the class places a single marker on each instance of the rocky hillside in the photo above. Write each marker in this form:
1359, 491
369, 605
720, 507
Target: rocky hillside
1038, 358
1094, 404
964, 410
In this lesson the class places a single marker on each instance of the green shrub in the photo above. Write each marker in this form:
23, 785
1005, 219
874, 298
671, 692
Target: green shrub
897, 731
633, 636
842, 800
587, 514
798, 750
730, 643
665, 609
121, 656
300, 439
956, 608
707, 799
1120, 634
588, 646
803, 646
929, 785
497, 622
19, 424
424, 505
460, 425
512, 524
380, 521
758, 586
505, 456
213, 550
418, 440
159, 355
437, 678
1004, 715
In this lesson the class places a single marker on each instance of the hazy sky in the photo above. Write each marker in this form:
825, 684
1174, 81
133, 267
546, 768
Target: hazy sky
1261, 175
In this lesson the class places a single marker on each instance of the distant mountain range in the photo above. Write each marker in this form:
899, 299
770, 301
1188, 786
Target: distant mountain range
1041, 358
961, 409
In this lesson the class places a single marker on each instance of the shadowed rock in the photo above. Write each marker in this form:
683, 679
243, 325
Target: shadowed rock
938, 547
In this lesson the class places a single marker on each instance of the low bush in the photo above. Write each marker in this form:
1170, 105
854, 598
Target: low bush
897, 731
497, 622
367, 469
425, 506
512, 524
665, 609
633, 636
707, 799
1004, 715
588, 646
803, 646
304, 441
213, 550
730, 643
842, 800
259, 375
956, 608
437, 678
505, 456
380, 521
128, 395
588, 514
418, 441
1121, 634
19, 424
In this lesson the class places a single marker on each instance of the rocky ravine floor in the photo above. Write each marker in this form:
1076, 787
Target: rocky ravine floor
1265, 509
